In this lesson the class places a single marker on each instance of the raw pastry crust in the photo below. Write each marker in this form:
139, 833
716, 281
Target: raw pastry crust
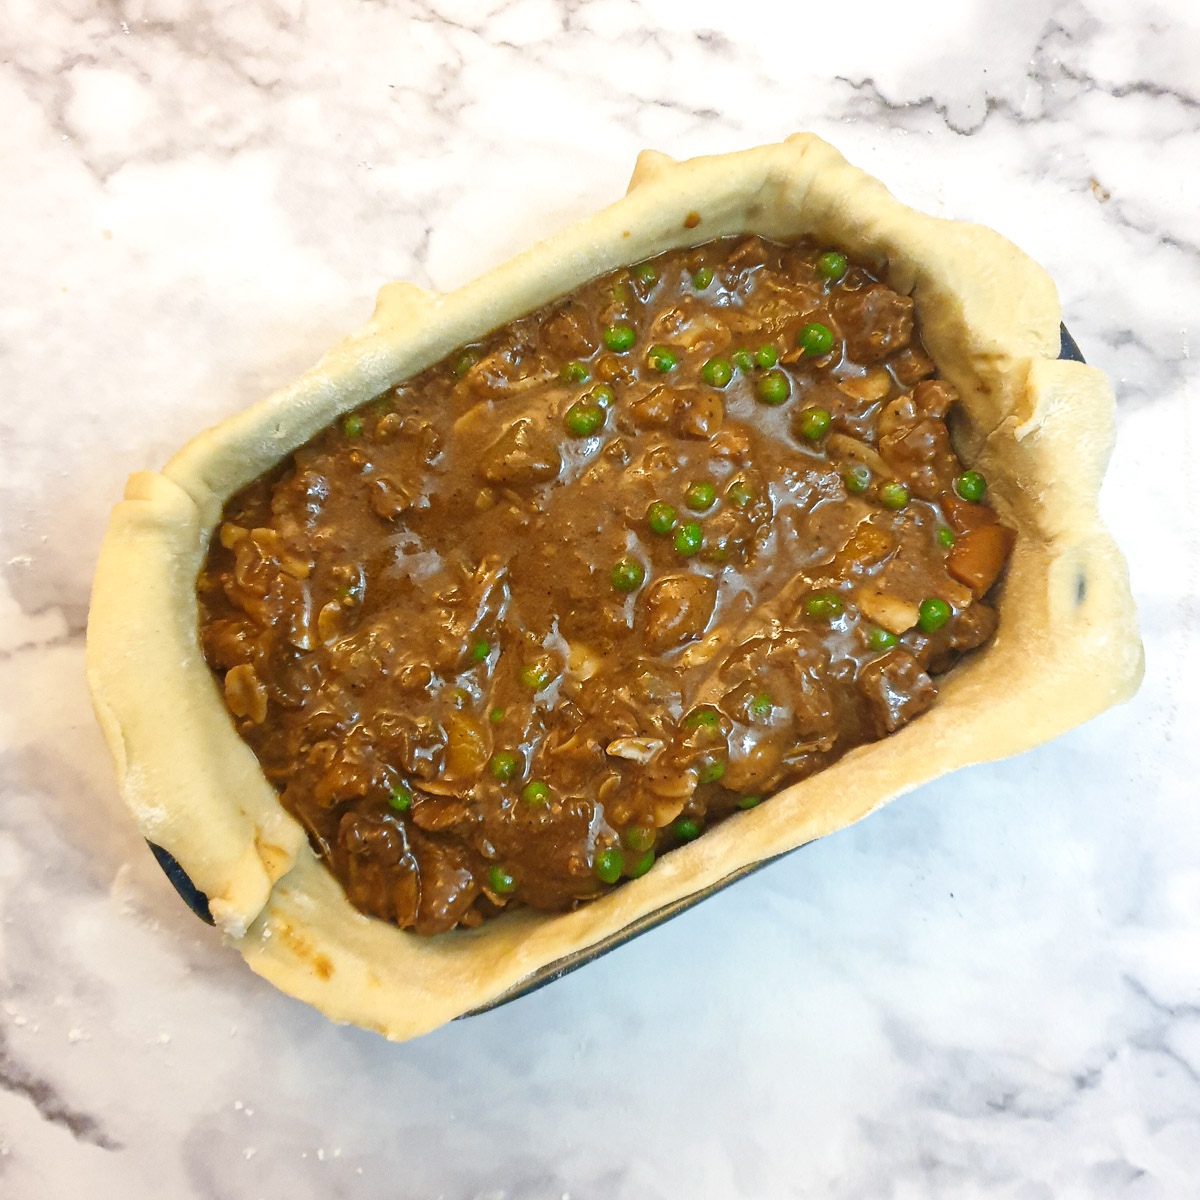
1040, 428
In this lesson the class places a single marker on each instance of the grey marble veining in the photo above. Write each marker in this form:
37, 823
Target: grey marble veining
990, 989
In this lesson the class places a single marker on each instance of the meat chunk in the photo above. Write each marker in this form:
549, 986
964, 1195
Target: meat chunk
675, 609
416, 743
911, 365
933, 398
377, 866
614, 369
896, 690
732, 442
691, 326
916, 446
379, 837
390, 499
728, 536
503, 369
699, 413
875, 321
850, 412
448, 885
915, 453
655, 410
422, 435
972, 627
523, 454
350, 776
568, 333
441, 812
229, 642
750, 251
968, 628
755, 768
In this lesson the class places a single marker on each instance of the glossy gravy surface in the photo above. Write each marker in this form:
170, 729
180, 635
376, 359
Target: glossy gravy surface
556, 605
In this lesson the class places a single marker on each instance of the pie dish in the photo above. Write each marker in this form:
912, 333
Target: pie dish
1040, 429
520, 626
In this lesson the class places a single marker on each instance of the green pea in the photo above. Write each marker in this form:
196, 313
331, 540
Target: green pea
662, 359
583, 419
480, 650
641, 865
717, 372
660, 517
815, 339
711, 770
638, 838
934, 614
535, 793
609, 865
761, 706
602, 395
700, 496
857, 477
740, 493
832, 265
765, 356
574, 372
814, 423
893, 495
619, 338
749, 802
702, 718
688, 538
400, 798
972, 486
535, 676
686, 829
824, 605
619, 293
352, 425
880, 639
627, 575
464, 361
500, 881
773, 388
743, 360
702, 278
496, 716
945, 536
645, 273
504, 765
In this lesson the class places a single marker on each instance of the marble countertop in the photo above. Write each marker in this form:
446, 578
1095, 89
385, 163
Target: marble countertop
990, 989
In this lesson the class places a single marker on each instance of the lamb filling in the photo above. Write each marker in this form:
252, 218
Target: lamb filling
532, 619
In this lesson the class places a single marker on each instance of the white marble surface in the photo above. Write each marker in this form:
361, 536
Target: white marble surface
991, 989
